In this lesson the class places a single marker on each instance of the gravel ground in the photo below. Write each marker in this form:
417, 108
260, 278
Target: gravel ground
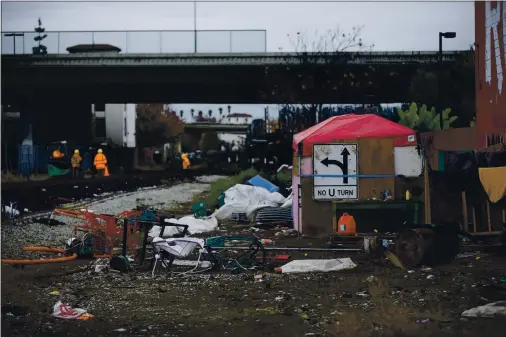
374, 299
15, 237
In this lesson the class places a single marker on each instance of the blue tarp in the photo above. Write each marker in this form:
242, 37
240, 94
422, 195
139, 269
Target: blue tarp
261, 182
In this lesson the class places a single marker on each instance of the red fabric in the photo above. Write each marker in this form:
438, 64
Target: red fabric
352, 126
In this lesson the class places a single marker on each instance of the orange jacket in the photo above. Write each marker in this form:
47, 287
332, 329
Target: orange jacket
76, 160
100, 161
57, 154
185, 161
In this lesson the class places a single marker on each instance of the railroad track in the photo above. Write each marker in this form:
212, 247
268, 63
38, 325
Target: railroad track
41, 201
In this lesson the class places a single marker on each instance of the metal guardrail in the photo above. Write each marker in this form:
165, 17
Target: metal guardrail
141, 42
225, 59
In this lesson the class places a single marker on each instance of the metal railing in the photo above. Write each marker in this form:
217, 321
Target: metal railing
141, 41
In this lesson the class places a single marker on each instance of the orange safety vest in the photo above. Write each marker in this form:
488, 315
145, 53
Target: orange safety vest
57, 154
100, 161
186, 161
76, 160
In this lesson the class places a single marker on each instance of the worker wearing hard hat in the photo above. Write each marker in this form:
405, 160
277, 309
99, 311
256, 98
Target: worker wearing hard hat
100, 163
57, 154
76, 163
185, 161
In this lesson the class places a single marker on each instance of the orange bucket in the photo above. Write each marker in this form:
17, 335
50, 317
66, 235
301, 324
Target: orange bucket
346, 225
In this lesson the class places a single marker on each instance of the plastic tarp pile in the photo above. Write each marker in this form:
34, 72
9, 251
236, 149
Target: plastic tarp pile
247, 199
195, 226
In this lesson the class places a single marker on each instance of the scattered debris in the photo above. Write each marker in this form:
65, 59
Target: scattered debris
488, 310
307, 266
60, 310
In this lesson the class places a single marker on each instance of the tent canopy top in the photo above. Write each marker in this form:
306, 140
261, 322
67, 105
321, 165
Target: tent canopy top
352, 126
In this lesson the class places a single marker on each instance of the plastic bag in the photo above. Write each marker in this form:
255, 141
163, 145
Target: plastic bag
60, 310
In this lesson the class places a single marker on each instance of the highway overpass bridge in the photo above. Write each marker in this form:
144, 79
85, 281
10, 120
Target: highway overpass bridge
199, 128
372, 77
54, 92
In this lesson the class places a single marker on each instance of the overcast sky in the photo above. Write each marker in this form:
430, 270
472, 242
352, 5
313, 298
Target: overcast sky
389, 26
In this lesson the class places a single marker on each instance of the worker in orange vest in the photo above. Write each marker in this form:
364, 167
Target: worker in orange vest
57, 154
185, 161
76, 163
100, 163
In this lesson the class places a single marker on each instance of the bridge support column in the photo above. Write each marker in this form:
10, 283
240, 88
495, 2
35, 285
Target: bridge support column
56, 119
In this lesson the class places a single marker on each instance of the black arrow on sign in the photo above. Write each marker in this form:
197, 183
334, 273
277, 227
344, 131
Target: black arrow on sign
342, 165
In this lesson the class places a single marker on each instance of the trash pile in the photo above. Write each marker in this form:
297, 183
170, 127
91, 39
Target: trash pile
260, 202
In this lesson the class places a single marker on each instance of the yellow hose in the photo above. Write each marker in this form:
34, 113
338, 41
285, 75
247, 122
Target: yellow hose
38, 261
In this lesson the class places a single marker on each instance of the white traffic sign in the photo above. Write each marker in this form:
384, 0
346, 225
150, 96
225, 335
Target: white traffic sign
331, 164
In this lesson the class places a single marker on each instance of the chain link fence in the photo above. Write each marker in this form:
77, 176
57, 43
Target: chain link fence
139, 42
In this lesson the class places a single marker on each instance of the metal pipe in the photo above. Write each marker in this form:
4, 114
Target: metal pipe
295, 249
195, 24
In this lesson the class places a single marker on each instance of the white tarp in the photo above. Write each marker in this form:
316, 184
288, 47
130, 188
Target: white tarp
494, 309
289, 201
247, 199
320, 265
195, 226
407, 161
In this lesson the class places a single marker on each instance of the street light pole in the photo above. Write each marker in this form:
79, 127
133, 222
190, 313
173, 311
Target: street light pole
195, 24
14, 35
447, 35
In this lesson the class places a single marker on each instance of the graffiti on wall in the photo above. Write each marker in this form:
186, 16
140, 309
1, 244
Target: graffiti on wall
490, 56
492, 38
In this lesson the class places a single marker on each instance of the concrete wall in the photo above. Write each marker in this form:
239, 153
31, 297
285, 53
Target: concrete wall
119, 123
131, 117
490, 36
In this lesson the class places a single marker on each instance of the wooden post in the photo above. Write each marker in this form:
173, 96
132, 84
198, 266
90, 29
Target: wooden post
474, 220
426, 188
464, 211
488, 217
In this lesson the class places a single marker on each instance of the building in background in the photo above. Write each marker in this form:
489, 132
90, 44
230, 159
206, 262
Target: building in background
115, 123
237, 118
490, 65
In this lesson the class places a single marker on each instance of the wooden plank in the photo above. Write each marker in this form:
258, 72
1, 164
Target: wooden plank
426, 192
474, 220
375, 156
489, 222
464, 211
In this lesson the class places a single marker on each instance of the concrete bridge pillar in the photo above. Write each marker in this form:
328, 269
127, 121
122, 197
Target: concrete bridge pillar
56, 119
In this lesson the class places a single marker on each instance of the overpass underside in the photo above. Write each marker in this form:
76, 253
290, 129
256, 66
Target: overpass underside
209, 84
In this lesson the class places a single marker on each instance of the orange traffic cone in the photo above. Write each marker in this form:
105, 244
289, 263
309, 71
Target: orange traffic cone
106, 172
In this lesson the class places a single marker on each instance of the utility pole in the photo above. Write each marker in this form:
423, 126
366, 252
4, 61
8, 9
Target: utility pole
447, 35
195, 24
14, 35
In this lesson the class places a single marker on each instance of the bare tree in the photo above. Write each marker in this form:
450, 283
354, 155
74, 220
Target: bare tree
316, 66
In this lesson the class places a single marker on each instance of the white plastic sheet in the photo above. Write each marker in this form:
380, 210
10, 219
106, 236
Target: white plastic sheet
494, 309
289, 201
320, 265
63, 311
180, 247
247, 199
195, 226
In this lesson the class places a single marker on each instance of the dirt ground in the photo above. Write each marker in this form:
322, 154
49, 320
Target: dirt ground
394, 302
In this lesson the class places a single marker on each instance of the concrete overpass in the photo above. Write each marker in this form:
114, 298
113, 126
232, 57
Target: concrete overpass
373, 77
199, 128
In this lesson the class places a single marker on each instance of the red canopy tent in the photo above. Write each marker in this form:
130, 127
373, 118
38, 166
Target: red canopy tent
352, 126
